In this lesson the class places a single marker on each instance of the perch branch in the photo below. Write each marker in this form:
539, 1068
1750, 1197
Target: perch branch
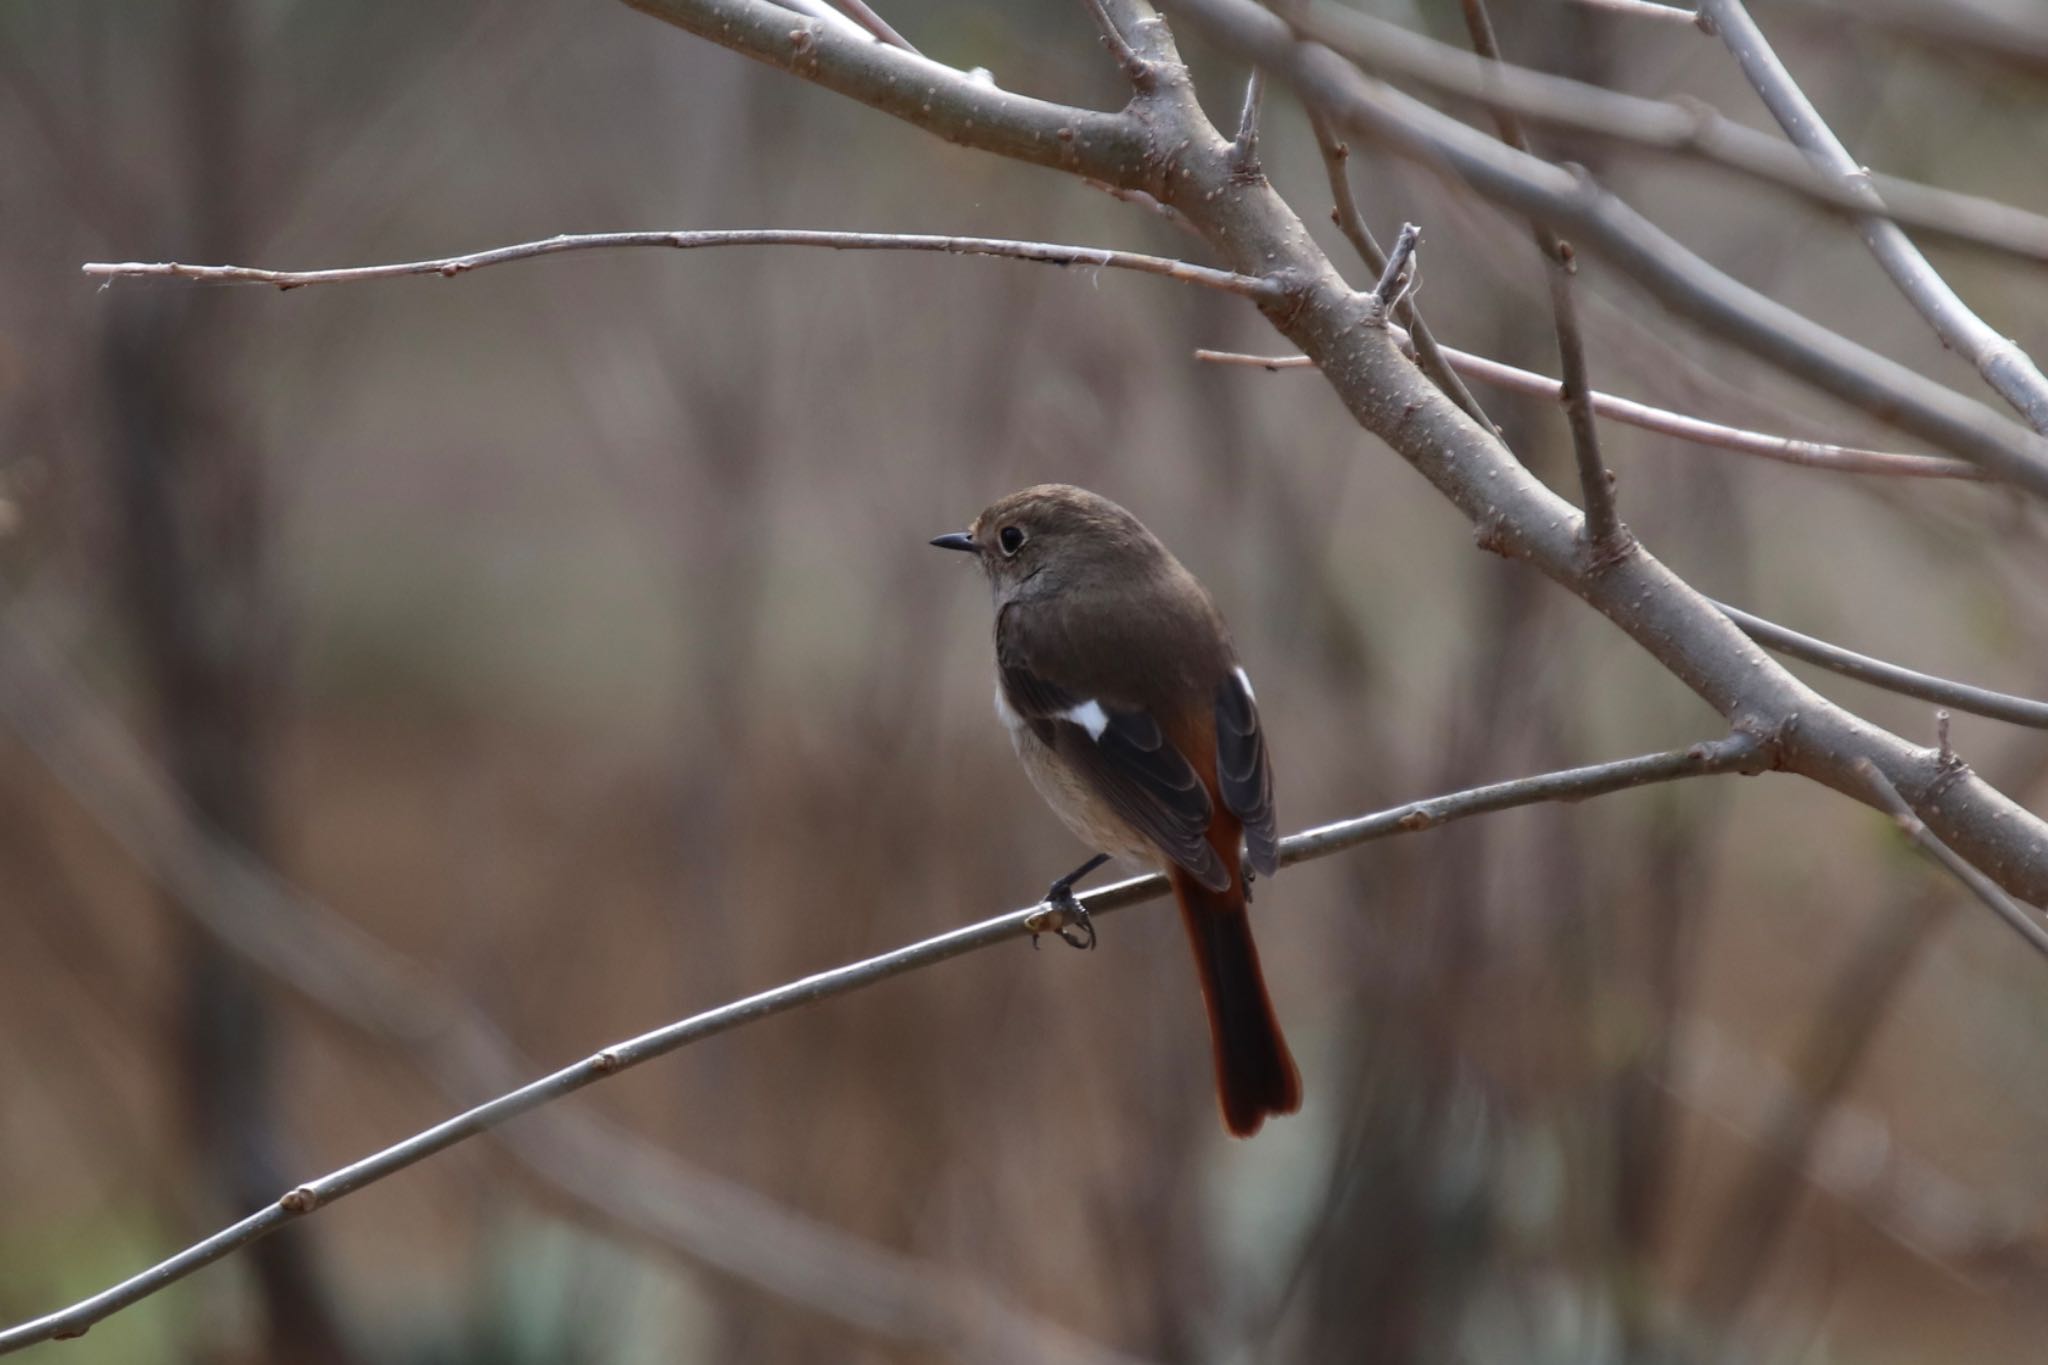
604, 1172
1734, 753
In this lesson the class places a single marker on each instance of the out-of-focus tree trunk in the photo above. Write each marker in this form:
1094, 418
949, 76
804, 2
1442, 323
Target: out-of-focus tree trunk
187, 485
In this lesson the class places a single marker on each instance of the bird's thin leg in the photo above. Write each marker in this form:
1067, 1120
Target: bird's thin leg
1060, 896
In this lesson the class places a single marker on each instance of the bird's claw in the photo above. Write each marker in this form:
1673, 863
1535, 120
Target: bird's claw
1065, 916
1075, 928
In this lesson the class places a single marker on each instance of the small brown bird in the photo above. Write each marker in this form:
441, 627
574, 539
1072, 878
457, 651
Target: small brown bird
1117, 681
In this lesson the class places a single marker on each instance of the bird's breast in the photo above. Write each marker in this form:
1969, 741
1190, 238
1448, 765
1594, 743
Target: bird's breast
1090, 818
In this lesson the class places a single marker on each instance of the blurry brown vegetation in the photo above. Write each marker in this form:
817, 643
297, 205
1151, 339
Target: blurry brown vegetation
570, 628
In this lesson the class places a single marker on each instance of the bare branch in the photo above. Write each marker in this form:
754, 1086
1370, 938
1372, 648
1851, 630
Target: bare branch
1646, 9
1679, 278
1603, 524
1336, 157
1687, 128
2002, 363
2026, 921
1048, 253
929, 95
864, 15
1891, 677
1136, 68
1733, 754
602, 1170
1783, 449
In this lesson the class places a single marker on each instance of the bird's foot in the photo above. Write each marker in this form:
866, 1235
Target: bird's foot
1063, 914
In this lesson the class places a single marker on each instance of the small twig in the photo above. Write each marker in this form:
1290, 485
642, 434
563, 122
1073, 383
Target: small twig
864, 15
1763, 445
1603, 523
1049, 253
1648, 9
1941, 739
1336, 158
1244, 148
2004, 366
1134, 67
1891, 677
2026, 921
1734, 753
1396, 279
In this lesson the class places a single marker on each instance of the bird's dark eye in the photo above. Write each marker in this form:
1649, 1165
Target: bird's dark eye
1011, 538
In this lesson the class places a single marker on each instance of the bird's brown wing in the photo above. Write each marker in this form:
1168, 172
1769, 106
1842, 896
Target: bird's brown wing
1244, 775
1118, 749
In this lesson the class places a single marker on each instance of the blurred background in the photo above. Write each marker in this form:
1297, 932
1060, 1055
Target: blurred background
411, 687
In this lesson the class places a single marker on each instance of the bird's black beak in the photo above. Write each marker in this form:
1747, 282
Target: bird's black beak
955, 540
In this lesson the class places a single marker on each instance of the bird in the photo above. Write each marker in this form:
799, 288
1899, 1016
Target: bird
1125, 701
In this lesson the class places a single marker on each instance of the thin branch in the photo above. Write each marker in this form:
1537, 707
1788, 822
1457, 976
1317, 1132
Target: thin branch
1136, 68
1732, 754
1686, 128
1783, 449
864, 15
604, 1172
1646, 9
1603, 523
2003, 364
1336, 160
1891, 677
2027, 922
1244, 148
825, 13
1049, 253
1685, 282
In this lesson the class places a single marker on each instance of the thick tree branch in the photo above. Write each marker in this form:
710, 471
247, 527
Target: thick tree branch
1678, 278
1733, 754
2002, 363
1515, 515
1048, 253
1763, 445
950, 103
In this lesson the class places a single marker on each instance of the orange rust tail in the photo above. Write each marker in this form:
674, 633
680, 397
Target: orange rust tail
1255, 1073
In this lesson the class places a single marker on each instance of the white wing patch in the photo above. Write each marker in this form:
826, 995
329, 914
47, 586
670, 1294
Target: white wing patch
1090, 716
1245, 682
